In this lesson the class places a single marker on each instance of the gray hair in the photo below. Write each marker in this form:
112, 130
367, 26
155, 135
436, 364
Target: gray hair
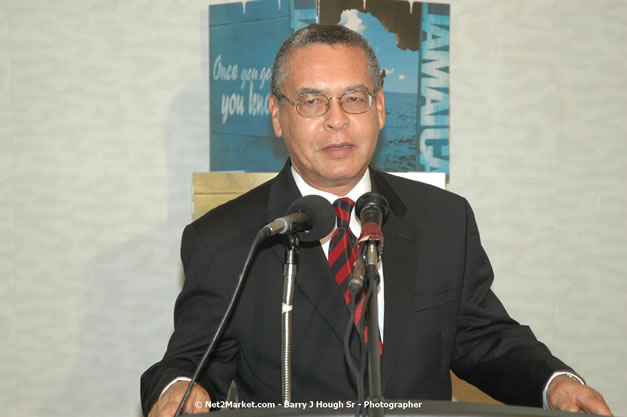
328, 35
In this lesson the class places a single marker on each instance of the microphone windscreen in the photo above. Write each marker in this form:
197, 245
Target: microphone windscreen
376, 208
322, 216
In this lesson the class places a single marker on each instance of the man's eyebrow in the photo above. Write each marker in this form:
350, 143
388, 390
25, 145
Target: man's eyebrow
357, 87
308, 91
312, 91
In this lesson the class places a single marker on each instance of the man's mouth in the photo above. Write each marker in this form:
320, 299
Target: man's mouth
340, 146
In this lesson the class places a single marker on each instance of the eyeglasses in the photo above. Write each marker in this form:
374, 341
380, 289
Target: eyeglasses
315, 105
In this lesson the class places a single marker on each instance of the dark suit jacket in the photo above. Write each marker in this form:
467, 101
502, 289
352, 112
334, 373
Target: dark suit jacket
440, 313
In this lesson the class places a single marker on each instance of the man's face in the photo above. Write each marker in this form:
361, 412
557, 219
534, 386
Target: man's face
330, 152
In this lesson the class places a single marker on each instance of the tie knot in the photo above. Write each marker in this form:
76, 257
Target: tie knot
343, 207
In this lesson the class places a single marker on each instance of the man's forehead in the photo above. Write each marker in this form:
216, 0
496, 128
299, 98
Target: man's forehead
340, 72
326, 49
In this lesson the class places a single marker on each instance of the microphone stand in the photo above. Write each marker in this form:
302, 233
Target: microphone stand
289, 275
372, 280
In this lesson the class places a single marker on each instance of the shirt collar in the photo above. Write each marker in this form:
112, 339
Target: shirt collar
362, 187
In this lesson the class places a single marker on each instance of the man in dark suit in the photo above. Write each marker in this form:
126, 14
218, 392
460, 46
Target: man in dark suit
439, 313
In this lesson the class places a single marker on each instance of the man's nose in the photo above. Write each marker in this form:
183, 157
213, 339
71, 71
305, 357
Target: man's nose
336, 118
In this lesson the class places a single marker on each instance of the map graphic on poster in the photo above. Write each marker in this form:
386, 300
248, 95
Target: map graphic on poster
411, 41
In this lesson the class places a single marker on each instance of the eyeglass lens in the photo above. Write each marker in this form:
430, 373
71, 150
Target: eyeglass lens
354, 102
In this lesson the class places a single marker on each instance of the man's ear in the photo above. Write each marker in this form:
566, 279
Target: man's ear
273, 103
380, 103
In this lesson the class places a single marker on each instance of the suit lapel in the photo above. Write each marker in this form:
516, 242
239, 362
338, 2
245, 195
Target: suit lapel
399, 261
314, 277
283, 191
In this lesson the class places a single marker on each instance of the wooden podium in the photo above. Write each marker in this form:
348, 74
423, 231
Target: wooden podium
401, 408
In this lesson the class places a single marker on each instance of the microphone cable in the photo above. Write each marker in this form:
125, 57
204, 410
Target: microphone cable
359, 374
347, 353
364, 345
259, 237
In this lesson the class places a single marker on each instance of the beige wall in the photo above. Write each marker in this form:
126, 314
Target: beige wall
103, 119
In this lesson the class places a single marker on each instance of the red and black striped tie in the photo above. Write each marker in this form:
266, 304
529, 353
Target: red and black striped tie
342, 246
342, 255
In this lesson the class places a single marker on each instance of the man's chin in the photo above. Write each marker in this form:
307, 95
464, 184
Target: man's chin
341, 177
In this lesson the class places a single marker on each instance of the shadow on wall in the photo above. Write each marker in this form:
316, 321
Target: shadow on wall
131, 289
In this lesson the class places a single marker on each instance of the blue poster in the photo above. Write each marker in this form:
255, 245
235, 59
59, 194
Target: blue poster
434, 82
410, 39
243, 40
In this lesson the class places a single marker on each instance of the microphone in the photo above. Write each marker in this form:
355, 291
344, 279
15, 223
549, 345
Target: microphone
372, 209
312, 215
